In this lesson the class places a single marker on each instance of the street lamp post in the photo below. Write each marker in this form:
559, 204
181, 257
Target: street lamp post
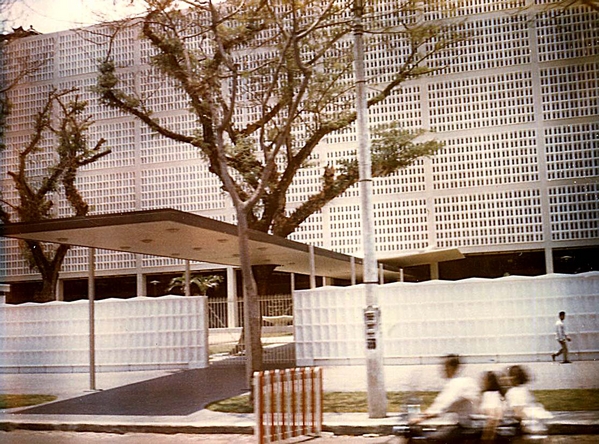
377, 396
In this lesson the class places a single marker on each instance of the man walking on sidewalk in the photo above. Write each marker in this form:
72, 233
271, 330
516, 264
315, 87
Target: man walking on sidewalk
562, 338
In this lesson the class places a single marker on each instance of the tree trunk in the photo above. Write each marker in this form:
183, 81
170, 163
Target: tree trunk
49, 268
252, 318
49, 281
262, 275
48, 291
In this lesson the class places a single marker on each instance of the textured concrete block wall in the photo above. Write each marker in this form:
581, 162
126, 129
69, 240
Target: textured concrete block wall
130, 334
485, 320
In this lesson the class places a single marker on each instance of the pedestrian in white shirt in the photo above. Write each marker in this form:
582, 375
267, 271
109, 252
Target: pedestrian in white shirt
562, 338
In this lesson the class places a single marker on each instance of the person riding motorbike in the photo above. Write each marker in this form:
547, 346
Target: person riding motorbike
456, 404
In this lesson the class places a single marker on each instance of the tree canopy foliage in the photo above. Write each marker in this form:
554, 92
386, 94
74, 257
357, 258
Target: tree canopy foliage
201, 281
61, 121
267, 82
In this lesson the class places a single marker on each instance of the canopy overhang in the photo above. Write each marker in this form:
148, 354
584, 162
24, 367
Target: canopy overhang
182, 235
424, 257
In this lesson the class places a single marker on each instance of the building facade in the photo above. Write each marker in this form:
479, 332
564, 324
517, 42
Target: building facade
515, 187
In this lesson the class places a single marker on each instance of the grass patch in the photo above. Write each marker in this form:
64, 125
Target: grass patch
13, 401
237, 404
572, 400
350, 402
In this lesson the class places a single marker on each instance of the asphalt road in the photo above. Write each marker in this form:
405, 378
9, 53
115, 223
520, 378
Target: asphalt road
39, 437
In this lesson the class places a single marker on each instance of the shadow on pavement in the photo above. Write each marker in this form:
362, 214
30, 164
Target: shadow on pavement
179, 394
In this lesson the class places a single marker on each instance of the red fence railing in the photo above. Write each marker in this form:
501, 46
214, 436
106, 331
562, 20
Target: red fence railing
288, 403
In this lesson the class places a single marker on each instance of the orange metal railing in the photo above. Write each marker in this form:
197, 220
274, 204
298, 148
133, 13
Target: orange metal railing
288, 403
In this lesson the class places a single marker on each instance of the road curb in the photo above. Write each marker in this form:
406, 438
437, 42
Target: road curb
121, 429
553, 429
561, 428
573, 429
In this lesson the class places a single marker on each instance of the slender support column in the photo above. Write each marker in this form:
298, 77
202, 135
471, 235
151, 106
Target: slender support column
434, 267
204, 359
60, 290
312, 268
232, 311
91, 294
548, 260
187, 278
4, 290
352, 262
140, 279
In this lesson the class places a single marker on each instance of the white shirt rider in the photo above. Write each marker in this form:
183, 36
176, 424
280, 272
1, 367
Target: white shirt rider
460, 396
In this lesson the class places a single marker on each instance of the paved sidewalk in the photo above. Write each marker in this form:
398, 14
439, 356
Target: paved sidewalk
544, 376
115, 418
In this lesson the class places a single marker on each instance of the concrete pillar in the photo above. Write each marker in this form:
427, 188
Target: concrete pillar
205, 334
4, 290
232, 311
434, 270
312, 268
548, 260
141, 287
60, 290
187, 278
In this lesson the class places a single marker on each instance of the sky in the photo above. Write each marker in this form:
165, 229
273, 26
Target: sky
48, 16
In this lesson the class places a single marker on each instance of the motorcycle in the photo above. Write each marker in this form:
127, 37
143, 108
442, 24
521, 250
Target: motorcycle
508, 430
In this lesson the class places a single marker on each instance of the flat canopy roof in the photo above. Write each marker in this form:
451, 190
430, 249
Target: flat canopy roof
182, 235
423, 257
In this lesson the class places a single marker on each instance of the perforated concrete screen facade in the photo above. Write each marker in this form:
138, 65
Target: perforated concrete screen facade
517, 107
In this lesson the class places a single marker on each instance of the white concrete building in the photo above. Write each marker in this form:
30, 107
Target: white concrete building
516, 187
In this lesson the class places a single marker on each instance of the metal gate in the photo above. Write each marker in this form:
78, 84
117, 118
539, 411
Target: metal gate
225, 320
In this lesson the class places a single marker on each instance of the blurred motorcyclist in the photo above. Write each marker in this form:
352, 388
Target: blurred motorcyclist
455, 404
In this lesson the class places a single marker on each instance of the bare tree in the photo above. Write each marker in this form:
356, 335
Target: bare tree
4, 6
267, 82
16, 69
36, 194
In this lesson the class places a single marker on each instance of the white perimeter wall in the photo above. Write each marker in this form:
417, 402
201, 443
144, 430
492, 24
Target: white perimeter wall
131, 334
499, 320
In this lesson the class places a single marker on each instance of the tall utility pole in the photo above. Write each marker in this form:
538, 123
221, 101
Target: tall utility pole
91, 293
377, 396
